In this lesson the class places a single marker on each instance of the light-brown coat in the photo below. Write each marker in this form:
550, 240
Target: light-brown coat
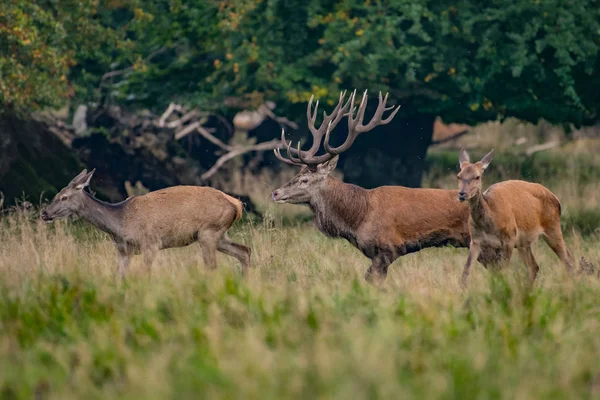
172, 217
508, 215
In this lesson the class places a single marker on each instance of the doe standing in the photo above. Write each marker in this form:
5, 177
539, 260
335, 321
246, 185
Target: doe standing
173, 217
507, 215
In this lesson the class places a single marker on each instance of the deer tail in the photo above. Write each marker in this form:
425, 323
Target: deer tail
237, 205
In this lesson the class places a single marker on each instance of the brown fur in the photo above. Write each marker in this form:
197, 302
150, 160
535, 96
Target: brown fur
237, 204
173, 217
508, 215
384, 223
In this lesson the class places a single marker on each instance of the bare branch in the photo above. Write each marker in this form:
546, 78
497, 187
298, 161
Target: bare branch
541, 147
184, 119
172, 107
450, 138
282, 121
238, 151
187, 130
205, 133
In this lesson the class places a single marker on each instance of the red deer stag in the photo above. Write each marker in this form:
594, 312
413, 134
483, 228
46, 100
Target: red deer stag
384, 223
507, 215
174, 217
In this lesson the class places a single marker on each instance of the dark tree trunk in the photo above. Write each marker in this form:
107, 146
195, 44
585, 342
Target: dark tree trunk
392, 154
33, 161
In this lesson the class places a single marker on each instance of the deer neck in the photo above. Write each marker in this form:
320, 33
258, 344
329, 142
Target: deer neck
479, 210
104, 216
339, 209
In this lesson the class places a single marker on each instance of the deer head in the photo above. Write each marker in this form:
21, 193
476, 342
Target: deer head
69, 200
469, 177
315, 168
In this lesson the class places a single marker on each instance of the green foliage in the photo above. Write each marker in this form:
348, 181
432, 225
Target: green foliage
40, 44
468, 60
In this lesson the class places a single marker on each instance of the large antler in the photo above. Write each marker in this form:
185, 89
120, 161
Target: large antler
355, 128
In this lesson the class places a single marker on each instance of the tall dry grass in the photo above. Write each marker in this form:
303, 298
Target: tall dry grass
303, 324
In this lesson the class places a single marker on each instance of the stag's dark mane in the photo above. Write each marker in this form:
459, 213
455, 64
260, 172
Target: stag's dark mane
339, 209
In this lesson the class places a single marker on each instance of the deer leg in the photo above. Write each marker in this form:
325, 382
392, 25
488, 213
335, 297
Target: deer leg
124, 260
474, 251
208, 241
527, 256
239, 251
377, 272
554, 238
149, 255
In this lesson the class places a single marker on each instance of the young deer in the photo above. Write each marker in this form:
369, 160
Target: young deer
384, 223
507, 215
174, 217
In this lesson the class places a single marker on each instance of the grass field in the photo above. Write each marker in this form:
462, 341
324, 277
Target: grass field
303, 324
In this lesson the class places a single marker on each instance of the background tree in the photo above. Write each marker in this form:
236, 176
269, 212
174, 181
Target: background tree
467, 61
45, 45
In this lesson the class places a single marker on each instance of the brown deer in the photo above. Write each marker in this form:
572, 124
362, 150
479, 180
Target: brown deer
508, 214
174, 217
384, 223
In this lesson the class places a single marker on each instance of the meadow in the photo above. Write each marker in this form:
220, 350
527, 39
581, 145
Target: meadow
302, 324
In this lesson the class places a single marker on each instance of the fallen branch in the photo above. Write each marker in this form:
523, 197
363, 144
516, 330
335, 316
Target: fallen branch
450, 138
172, 107
238, 151
205, 133
231, 151
188, 129
541, 147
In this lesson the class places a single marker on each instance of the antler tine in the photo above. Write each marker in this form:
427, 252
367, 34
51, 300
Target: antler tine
289, 149
352, 123
376, 120
362, 108
384, 109
309, 114
297, 156
280, 157
329, 121
355, 123
339, 112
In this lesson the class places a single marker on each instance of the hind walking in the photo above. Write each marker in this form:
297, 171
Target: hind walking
508, 215
173, 217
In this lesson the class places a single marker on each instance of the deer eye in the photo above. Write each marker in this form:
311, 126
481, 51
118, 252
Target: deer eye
64, 198
304, 180
477, 178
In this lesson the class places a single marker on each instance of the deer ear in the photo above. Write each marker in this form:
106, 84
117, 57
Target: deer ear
463, 158
487, 159
328, 166
82, 180
78, 178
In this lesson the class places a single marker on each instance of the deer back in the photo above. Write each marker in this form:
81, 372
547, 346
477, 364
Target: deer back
401, 214
179, 211
530, 205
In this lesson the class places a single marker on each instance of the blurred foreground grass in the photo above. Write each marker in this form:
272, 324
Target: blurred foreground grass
303, 324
